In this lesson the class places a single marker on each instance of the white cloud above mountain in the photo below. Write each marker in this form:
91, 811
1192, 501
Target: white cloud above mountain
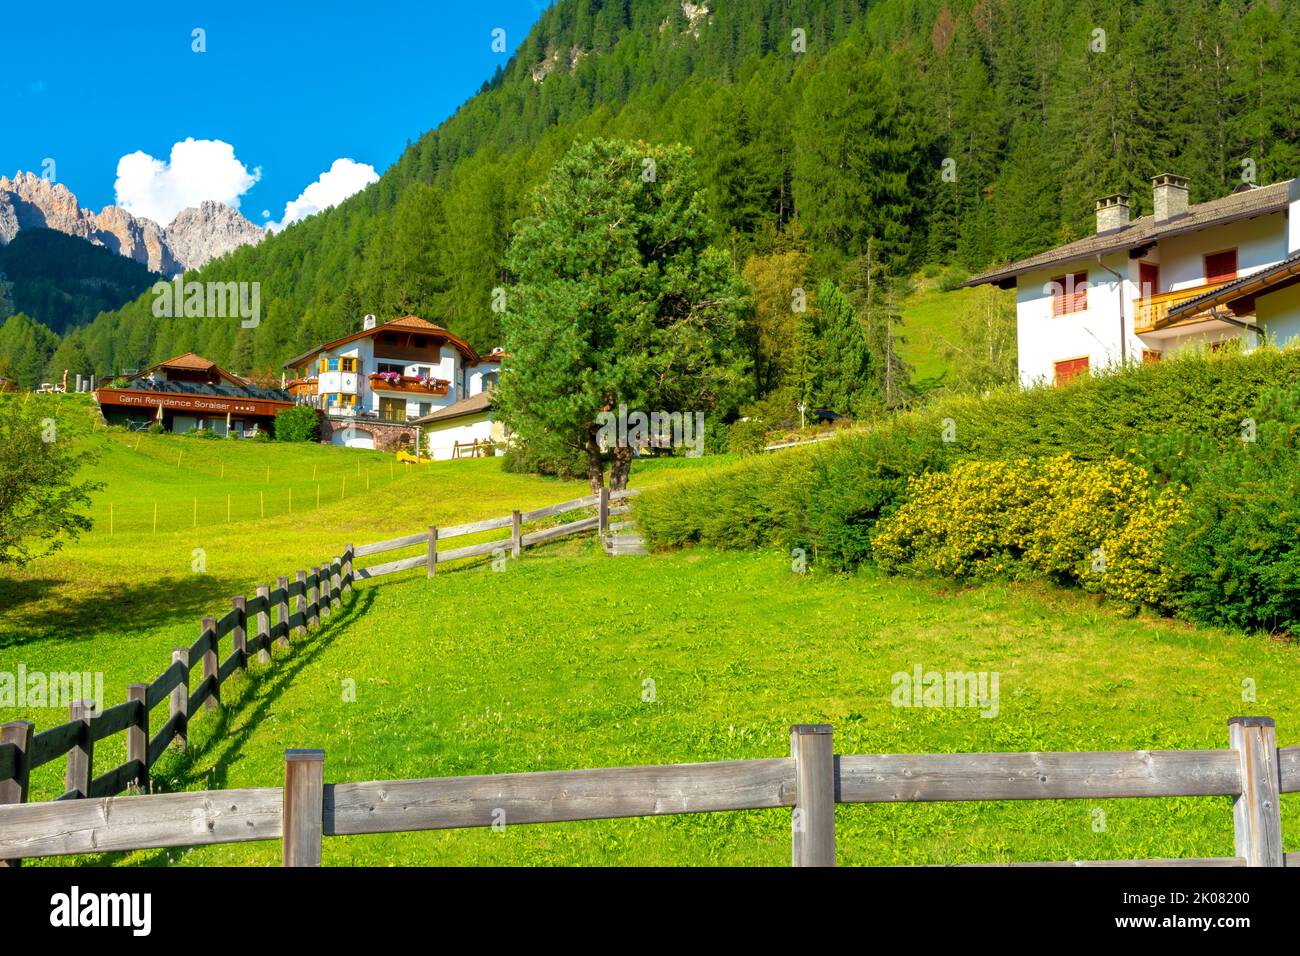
343, 179
197, 169
208, 169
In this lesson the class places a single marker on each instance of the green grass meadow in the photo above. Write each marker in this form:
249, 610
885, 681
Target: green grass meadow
548, 664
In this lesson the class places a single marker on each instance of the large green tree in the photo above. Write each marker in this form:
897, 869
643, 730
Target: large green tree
619, 300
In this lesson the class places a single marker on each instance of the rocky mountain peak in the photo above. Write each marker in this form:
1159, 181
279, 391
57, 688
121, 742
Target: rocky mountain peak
194, 238
208, 231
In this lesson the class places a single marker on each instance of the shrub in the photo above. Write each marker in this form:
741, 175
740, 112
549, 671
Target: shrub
1100, 525
300, 423
534, 458
1237, 553
747, 436
951, 278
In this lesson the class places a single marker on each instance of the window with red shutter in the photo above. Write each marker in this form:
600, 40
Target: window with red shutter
1070, 368
1070, 294
1221, 266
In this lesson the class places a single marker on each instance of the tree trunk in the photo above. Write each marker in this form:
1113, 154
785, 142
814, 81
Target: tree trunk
620, 469
595, 461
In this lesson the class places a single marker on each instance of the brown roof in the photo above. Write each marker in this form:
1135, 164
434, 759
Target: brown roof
188, 360
406, 322
1143, 231
196, 363
466, 406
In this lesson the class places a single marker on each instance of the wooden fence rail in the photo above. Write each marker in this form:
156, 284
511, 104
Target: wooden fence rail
431, 557
1253, 773
252, 626
23, 750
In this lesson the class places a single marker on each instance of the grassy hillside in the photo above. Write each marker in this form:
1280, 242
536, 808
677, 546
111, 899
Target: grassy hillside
930, 321
544, 666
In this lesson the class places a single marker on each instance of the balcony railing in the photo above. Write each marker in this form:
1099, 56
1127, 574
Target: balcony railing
1152, 310
408, 383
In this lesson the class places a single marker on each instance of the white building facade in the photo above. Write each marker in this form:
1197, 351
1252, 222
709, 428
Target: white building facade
373, 385
1139, 290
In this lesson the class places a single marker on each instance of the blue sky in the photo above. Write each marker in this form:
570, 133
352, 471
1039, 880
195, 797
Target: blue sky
291, 86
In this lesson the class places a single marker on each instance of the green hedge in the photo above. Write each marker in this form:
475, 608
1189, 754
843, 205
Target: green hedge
1182, 419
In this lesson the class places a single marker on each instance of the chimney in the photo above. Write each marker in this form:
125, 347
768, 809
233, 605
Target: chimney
1169, 194
1112, 212
368, 323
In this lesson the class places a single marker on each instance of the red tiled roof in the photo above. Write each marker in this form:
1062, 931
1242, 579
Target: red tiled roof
405, 323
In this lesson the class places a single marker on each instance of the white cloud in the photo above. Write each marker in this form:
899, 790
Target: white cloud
344, 178
197, 169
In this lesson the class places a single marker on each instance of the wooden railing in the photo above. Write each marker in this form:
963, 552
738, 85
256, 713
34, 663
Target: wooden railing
604, 504
314, 595
1254, 772
1151, 310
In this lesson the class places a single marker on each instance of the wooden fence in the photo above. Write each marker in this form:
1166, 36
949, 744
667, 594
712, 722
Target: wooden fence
1253, 773
604, 505
313, 595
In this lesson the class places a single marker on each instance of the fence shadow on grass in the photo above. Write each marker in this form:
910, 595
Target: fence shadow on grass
261, 687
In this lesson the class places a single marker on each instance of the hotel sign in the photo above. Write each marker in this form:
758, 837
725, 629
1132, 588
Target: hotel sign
181, 402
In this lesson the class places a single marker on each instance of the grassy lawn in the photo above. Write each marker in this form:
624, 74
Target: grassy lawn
543, 667
117, 601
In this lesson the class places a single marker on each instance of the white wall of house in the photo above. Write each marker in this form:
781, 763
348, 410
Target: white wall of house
1259, 243
1279, 313
1293, 216
1043, 339
440, 437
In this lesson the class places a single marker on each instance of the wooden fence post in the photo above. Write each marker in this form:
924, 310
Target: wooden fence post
323, 592
282, 612
180, 699
347, 568
302, 602
304, 812
240, 631
262, 640
1257, 812
313, 617
336, 583
211, 666
602, 511
137, 735
14, 789
81, 757
813, 819
432, 562
516, 535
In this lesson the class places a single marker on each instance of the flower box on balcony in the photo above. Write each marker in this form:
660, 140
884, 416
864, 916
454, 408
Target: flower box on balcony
392, 382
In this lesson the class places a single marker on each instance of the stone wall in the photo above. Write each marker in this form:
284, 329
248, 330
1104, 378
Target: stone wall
388, 435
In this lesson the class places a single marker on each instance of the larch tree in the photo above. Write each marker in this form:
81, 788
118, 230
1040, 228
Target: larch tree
619, 300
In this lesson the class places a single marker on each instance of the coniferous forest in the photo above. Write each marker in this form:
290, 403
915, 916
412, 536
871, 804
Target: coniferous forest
844, 145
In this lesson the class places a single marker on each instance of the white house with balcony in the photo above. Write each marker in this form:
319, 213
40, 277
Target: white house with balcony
1140, 289
375, 385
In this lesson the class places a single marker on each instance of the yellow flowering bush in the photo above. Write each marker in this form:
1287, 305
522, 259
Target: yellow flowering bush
1096, 524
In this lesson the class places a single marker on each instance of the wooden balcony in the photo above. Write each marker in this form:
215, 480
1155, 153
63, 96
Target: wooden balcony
1150, 313
408, 383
